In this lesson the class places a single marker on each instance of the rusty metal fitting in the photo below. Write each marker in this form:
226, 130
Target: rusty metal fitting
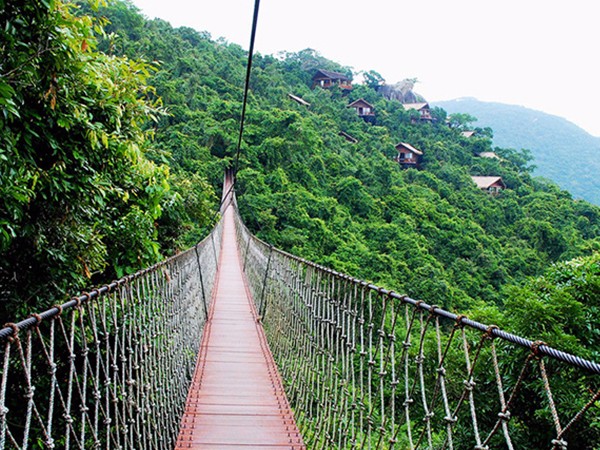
490, 330
535, 347
459, 319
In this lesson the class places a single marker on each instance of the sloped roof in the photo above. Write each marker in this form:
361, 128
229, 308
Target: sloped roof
298, 99
348, 137
489, 155
408, 147
332, 75
486, 182
416, 106
467, 134
360, 102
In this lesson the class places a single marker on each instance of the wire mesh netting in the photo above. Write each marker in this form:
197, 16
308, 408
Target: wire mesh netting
368, 368
110, 368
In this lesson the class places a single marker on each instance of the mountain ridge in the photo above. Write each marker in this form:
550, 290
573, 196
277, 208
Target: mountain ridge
563, 152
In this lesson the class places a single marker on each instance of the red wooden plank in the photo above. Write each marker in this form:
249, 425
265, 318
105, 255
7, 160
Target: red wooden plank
236, 399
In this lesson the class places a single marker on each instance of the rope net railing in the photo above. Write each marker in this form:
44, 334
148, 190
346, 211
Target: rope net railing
111, 367
368, 368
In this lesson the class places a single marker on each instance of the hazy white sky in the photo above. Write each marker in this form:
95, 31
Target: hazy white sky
542, 54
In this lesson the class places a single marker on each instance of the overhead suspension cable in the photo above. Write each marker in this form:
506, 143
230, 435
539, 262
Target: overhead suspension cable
244, 103
246, 88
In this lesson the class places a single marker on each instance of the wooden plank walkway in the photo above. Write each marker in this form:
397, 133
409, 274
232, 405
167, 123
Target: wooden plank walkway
236, 399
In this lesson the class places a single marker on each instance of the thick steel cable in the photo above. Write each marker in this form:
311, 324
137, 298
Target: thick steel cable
542, 349
246, 87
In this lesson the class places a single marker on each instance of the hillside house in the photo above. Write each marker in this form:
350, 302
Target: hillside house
327, 79
364, 109
408, 156
493, 185
422, 108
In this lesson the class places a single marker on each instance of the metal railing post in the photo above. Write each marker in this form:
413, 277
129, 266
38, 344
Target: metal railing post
212, 238
201, 283
263, 303
246, 254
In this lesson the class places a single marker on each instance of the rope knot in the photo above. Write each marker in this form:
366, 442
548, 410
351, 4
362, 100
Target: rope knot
50, 443
535, 347
490, 331
469, 384
77, 300
15, 331
30, 392
38, 319
505, 416
432, 309
559, 443
59, 310
459, 320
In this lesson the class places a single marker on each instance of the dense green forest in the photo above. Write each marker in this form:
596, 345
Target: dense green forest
115, 137
561, 151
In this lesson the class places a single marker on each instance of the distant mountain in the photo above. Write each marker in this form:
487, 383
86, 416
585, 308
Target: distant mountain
563, 152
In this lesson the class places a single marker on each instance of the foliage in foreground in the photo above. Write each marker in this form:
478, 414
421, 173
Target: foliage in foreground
78, 196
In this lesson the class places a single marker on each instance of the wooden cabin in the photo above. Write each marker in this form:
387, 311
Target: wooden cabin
408, 156
327, 79
364, 109
422, 108
492, 185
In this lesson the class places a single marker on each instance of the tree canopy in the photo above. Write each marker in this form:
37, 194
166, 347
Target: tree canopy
78, 195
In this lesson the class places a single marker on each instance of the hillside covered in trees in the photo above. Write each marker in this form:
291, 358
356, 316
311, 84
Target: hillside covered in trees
116, 200
561, 151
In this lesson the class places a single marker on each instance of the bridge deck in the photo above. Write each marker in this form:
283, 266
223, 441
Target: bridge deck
236, 399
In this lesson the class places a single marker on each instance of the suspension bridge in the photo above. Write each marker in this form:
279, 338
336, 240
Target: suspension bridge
236, 344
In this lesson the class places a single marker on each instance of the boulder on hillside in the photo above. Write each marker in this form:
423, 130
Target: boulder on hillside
401, 91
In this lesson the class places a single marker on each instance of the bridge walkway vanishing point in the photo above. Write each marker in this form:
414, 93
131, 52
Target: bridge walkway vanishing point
236, 399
